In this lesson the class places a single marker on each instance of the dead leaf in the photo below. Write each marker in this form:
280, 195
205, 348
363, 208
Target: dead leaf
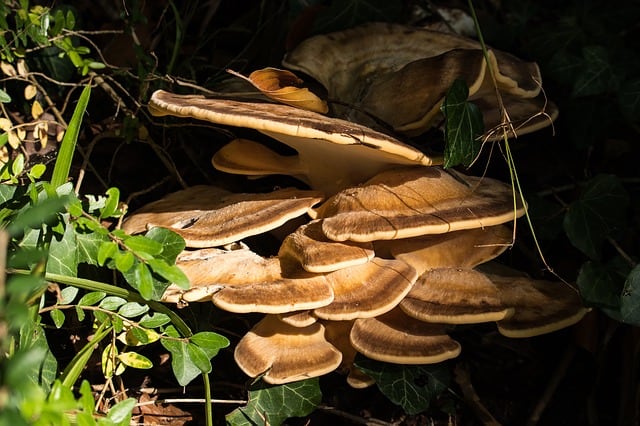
283, 86
41, 132
36, 110
5, 124
14, 140
8, 69
30, 91
22, 67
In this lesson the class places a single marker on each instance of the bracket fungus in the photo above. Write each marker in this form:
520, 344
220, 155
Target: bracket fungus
206, 216
332, 153
282, 353
400, 75
411, 202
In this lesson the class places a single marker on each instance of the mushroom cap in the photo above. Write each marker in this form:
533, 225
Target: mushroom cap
459, 249
399, 339
284, 353
309, 247
400, 74
206, 216
540, 306
297, 318
367, 290
334, 153
209, 269
241, 281
455, 296
411, 202
337, 333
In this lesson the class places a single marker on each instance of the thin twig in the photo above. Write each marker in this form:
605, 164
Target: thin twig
368, 421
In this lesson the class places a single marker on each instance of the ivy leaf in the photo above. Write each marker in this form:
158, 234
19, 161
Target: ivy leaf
210, 342
88, 245
63, 253
170, 273
630, 299
600, 209
412, 387
199, 358
183, 368
595, 74
172, 243
274, 404
463, 126
600, 284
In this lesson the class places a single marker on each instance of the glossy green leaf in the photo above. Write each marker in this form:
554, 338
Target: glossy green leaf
596, 214
124, 260
274, 404
88, 244
172, 244
120, 413
171, 273
132, 309
412, 387
112, 303
183, 368
68, 144
139, 243
154, 320
199, 358
630, 299
106, 251
91, 298
67, 295
58, 317
143, 281
463, 126
63, 253
111, 203
210, 342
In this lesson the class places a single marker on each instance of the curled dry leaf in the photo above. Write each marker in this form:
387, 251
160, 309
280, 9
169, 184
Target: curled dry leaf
283, 86
41, 132
30, 92
5, 124
21, 66
36, 110
8, 69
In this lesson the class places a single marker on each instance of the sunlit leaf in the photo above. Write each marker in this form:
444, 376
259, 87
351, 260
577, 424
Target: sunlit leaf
210, 342
154, 320
183, 368
111, 203
120, 414
463, 126
140, 243
274, 404
67, 295
412, 387
284, 86
124, 260
58, 317
172, 243
170, 273
63, 253
91, 298
135, 360
199, 358
106, 251
36, 110
132, 309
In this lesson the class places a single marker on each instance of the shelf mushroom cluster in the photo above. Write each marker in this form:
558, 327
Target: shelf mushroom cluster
386, 259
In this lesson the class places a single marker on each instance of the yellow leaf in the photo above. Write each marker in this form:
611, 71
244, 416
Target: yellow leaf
8, 69
22, 67
5, 124
30, 91
283, 86
14, 140
36, 110
21, 132
59, 134
41, 133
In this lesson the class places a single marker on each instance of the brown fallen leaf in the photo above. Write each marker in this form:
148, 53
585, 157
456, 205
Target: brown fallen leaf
283, 86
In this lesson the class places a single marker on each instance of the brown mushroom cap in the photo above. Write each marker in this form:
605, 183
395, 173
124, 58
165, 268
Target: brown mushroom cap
297, 318
540, 306
206, 216
455, 296
234, 158
459, 249
397, 338
410, 202
309, 247
334, 153
367, 290
400, 74
284, 353
337, 333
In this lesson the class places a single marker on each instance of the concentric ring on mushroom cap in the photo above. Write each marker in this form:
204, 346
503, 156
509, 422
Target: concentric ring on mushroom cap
410, 202
206, 216
334, 153
397, 338
455, 296
284, 353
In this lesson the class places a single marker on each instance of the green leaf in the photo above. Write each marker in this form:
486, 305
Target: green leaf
33, 217
172, 243
63, 253
89, 244
111, 203
595, 75
68, 144
111, 303
600, 209
135, 360
67, 295
183, 368
600, 284
87, 403
412, 387
139, 243
170, 273
121, 412
91, 298
630, 299
199, 358
210, 342
463, 126
4, 97
143, 281
132, 309
274, 404
124, 260
106, 251
58, 317
154, 320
